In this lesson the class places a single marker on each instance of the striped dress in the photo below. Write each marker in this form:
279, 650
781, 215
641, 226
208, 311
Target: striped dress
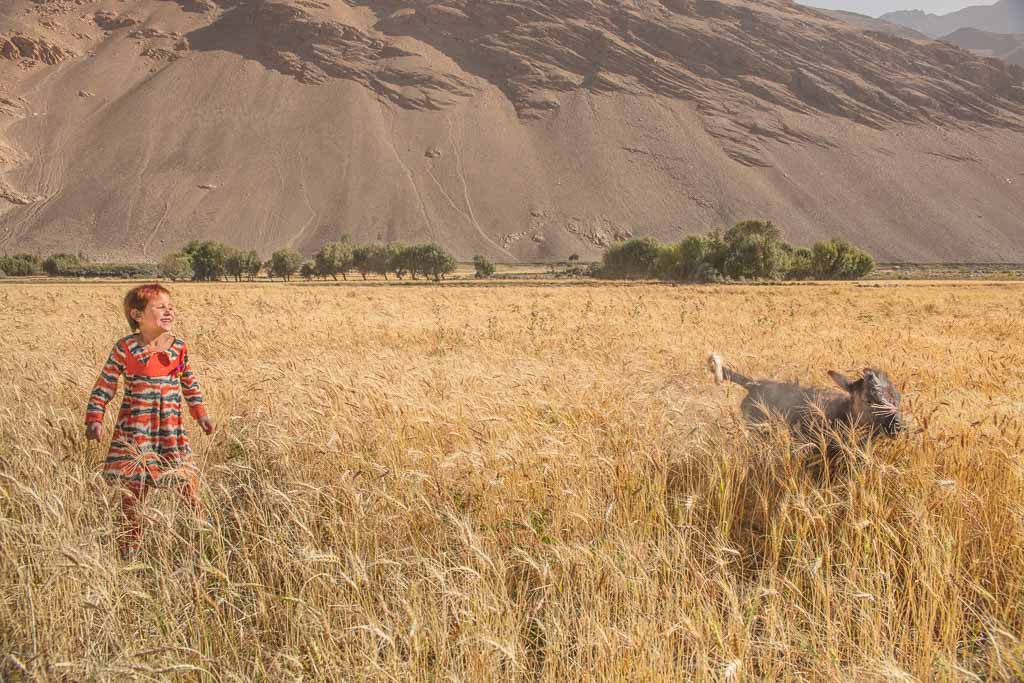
150, 445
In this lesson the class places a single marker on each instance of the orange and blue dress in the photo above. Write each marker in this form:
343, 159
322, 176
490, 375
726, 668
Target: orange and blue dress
150, 446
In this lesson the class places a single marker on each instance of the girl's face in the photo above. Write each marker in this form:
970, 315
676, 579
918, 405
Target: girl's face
157, 317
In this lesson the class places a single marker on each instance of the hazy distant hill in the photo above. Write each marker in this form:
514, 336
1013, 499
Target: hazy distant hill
1005, 16
867, 23
1006, 46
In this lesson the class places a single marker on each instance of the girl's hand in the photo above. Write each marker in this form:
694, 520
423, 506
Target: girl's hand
206, 424
94, 431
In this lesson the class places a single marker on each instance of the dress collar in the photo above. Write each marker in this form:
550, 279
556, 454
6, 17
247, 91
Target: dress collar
138, 350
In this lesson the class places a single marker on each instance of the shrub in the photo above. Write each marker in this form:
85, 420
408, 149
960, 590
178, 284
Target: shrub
686, 260
72, 265
667, 266
863, 264
126, 271
284, 263
801, 262
707, 273
750, 249
837, 259
175, 267
634, 258
60, 264
483, 267
308, 270
830, 258
21, 265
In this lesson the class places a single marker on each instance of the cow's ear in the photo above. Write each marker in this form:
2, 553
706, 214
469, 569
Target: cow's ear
840, 379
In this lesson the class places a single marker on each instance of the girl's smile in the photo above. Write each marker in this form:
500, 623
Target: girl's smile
157, 318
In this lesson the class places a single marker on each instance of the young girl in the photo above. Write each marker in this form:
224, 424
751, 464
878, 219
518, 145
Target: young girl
150, 446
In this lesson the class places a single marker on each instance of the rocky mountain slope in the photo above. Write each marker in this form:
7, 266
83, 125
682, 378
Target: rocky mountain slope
526, 130
1005, 16
1008, 47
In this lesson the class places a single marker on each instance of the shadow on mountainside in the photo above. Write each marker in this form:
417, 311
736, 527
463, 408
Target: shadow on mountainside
288, 40
723, 57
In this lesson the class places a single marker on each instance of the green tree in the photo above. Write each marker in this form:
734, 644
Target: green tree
697, 254
208, 258
755, 250
483, 267
308, 270
284, 263
334, 258
234, 263
400, 259
176, 267
380, 258
433, 261
361, 259
251, 264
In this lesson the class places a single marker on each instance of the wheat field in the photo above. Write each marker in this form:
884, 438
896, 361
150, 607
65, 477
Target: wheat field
521, 483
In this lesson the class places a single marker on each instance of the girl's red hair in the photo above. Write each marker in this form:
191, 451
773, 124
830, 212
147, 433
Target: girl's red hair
137, 298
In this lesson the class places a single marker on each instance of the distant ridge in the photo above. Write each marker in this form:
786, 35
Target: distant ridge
1006, 46
1005, 16
862, 21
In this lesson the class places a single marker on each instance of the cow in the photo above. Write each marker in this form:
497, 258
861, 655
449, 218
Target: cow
869, 405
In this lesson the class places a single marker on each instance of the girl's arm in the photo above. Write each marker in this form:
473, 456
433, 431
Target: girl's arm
190, 388
106, 386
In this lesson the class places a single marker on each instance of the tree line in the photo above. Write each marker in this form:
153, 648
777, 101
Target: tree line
208, 260
750, 250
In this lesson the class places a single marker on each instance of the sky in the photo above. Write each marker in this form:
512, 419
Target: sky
875, 8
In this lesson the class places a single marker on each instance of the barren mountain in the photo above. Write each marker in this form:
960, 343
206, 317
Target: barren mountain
1005, 16
1008, 47
526, 130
